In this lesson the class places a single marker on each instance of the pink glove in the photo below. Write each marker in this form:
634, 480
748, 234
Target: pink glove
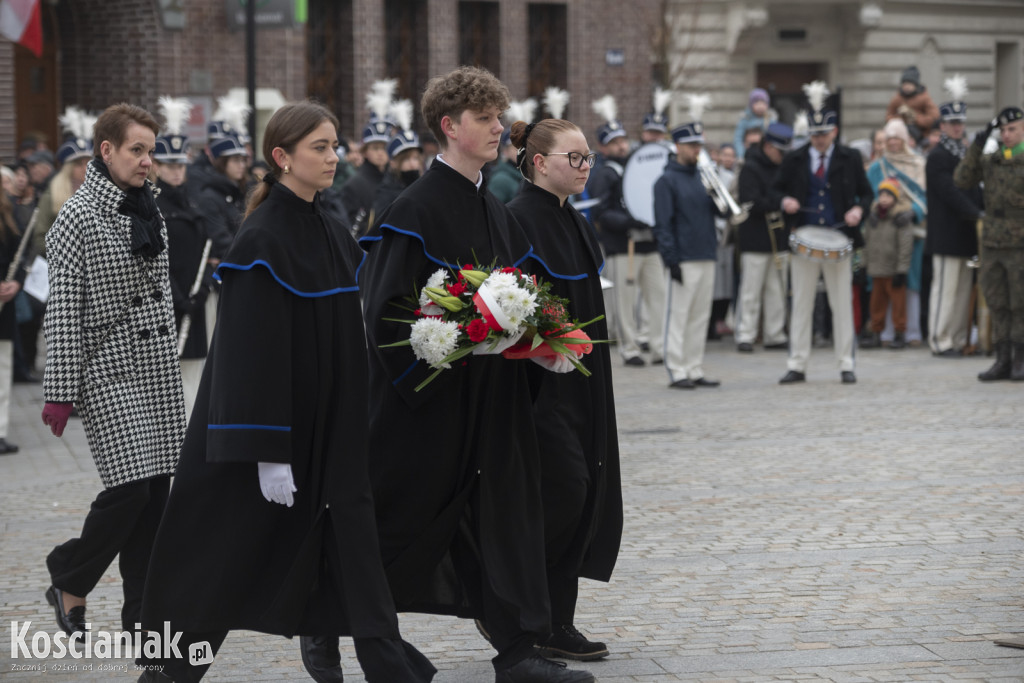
55, 416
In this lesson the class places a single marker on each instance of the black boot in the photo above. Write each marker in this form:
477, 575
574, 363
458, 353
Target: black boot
871, 340
1001, 368
1017, 370
898, 342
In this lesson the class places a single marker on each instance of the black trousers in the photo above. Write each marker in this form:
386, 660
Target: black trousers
122, 520
383, 660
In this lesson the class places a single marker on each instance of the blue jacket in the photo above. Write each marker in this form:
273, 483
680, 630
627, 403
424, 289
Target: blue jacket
684, 216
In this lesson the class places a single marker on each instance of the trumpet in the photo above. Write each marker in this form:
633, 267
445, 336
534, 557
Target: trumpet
719, 192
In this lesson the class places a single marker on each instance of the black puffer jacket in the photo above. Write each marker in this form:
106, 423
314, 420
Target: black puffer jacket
755, 186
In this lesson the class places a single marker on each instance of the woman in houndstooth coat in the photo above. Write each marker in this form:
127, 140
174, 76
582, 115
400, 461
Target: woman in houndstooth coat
111, 352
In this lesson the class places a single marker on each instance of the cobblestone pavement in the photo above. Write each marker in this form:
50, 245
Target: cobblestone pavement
773, 533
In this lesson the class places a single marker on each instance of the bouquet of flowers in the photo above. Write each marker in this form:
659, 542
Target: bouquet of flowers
491, 310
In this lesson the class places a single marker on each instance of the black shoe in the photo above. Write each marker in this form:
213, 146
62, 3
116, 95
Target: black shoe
7, 447
792, 376
26, 378
898, 342
848, 377
949, 353
871, 340
321, 658
657, 361
745, 347
781, 346
645, 347
566, 642
536, 669
682, 384
70, 622
705, 382
636, 362
1002, 367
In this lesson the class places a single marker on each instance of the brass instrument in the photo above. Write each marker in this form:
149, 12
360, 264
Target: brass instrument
735, 213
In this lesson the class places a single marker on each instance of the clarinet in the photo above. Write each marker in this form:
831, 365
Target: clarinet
18, 255
186, 320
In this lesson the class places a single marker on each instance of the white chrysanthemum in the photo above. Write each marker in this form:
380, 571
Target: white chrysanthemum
436, 280
433, 340
498, 280
516, 303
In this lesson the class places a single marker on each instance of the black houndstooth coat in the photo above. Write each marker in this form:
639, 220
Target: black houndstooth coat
110, 337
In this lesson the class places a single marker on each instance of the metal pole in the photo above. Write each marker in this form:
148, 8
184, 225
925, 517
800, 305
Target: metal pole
250, 66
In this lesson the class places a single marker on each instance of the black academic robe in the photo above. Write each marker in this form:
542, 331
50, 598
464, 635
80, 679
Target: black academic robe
186, 237
454, 467
574, 414
285, 382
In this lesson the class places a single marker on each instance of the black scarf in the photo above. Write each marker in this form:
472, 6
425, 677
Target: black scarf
955, 147
140, 206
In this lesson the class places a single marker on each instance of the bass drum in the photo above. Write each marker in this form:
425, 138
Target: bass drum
643, 168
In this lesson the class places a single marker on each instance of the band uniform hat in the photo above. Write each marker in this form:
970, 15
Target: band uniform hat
74, 148
688, 132
821, 121
172, 149
377, 130
780, 135
403, 141
1009, 115
217, 129
609, 131
953, 111
656, 122
890, 185
227, 146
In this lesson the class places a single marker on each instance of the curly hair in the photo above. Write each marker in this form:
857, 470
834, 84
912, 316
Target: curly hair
467, 87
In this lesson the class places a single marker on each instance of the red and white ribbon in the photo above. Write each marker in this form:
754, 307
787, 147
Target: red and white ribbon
490, 311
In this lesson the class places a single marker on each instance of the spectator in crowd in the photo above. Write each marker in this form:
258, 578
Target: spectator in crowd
888, 242
758, 114
913, 105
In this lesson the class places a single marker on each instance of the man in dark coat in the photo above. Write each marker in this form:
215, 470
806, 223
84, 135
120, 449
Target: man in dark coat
823, 184
358, 193
952, 238
763, 241
456, 474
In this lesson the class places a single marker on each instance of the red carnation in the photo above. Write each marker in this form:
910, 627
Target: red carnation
457, 289
477, 330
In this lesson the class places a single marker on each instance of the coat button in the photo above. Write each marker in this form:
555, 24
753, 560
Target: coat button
137, 301
144, 334
162, 330
157, 295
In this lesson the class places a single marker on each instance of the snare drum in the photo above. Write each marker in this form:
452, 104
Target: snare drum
820, 244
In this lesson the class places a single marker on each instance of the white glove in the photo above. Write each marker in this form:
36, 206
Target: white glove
276, 482
484, 348
557, 363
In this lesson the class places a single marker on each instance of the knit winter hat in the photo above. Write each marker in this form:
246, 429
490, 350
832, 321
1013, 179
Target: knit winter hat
758, 94
911, 75
890, 185
895, 128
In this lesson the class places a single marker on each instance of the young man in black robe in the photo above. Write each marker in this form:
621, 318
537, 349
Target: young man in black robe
455, 471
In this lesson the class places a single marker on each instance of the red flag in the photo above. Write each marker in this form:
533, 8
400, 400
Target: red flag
21, 22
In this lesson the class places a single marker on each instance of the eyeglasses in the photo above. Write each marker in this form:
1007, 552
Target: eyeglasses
575, 158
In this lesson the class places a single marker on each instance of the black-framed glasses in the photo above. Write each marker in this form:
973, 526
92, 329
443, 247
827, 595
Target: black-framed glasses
575, 158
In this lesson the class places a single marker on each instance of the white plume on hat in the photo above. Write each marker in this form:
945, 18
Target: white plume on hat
956, 86
816, 92
378, 100
697, 105
233, 112
606, 108
662, 98
176, 111
524, 111
801, 125
77, 122
401, 112
556, 100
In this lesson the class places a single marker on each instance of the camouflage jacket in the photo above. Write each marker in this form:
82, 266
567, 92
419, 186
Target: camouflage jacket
1003, 225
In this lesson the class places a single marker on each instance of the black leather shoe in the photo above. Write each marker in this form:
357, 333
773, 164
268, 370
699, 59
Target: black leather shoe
781, 346
26, 378
682, 384
566, 642
745, 347
792, 376
705, 382
848, 377
636, 362
321, 658
536, 669
70, 622
7, 447
949, 353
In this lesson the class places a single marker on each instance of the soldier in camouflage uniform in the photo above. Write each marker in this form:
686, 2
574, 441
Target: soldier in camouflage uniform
1002, 239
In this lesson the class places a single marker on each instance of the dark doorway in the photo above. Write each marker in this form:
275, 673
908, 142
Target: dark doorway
784, 81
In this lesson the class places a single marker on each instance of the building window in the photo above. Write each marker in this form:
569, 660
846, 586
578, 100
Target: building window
406, 49
548, 49
329, 59
479, 35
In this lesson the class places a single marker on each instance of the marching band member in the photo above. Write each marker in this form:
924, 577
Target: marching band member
763, 244
952, 238
684, 228
825, 183
358, 194
1002, 237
